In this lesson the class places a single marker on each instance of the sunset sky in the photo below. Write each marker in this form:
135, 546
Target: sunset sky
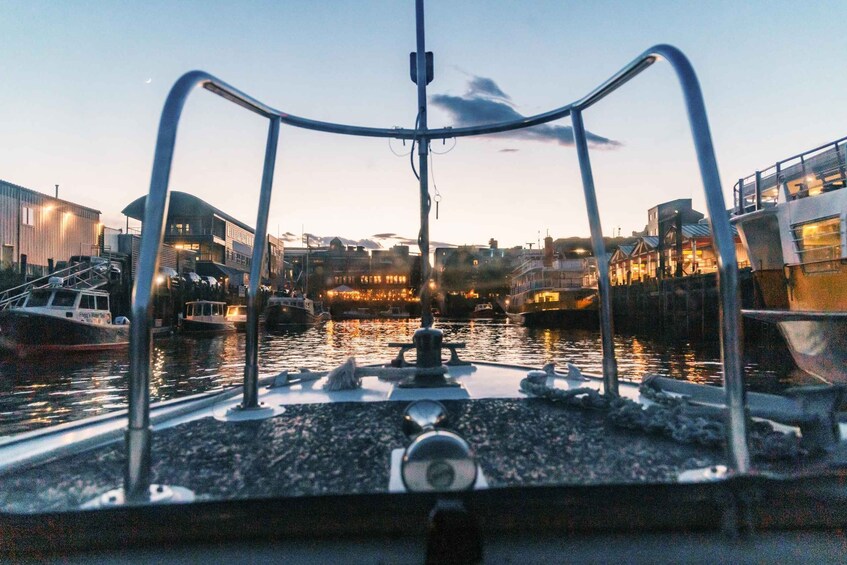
84, 84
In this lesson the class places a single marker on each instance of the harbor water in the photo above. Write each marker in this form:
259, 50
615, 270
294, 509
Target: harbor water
46, 390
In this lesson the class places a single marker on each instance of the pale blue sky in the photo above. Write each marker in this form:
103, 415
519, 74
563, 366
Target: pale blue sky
76, 108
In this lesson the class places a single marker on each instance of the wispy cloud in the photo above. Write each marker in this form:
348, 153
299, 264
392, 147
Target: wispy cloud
486, 103
509, 150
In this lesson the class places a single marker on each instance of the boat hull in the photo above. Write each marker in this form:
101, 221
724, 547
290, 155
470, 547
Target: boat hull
482, 315
281, 316
26, 332
557, 318
817, 340
201, 327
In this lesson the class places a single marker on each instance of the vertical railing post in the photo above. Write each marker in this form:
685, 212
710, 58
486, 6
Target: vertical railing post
842, 166
730, 306
610, 365
758, 190
783, 186
138, 434
739, 204
260, 243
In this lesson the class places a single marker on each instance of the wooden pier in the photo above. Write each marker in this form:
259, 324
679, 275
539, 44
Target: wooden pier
683, 306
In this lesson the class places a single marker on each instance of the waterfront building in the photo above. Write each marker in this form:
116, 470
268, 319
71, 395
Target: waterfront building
38, 230
375, 275
223, 245
677, 241
687, 250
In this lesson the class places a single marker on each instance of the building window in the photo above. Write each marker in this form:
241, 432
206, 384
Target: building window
27, 216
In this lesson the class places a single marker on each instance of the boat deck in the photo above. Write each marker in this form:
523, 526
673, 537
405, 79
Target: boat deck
341, 442
345, 448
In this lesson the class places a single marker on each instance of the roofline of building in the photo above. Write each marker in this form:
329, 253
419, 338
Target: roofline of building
214, 210
53, 198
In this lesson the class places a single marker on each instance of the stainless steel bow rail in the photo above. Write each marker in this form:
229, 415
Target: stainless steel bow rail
137, 487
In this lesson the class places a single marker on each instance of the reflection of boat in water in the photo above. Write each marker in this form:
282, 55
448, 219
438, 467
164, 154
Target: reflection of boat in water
368, 446
206, 317
552, 291
394, 312
483, 311
284, 311
791, 218
237, 314
61, 319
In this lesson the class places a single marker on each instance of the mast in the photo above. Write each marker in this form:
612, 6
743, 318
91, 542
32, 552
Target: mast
306, 281
423, 153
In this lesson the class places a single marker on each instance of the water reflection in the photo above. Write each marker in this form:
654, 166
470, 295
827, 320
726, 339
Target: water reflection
44, 390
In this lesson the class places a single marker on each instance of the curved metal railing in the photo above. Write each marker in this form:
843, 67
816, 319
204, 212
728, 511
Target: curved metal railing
137, 477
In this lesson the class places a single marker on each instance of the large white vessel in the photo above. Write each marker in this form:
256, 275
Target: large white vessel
791, 218
553, 291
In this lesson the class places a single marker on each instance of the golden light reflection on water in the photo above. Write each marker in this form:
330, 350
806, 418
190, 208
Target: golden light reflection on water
37, 392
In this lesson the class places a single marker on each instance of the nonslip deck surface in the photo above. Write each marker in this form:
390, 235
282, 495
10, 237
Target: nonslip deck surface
345, 448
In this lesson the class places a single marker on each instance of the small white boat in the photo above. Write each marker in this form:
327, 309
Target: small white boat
237, 314
206, 317
483, 311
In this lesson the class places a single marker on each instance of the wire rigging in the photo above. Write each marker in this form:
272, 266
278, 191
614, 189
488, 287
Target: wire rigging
437, 195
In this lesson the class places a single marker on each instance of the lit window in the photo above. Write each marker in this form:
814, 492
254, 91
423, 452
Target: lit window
819, 242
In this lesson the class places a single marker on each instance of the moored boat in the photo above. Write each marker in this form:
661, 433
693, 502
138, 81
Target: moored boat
791, 219
286, 311
237, 314
395, 313
483, 311
59, 318
551, 291
357, 314
206, 317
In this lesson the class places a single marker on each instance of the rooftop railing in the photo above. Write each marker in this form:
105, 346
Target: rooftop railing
819, 170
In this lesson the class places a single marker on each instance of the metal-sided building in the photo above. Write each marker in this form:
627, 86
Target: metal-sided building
36, 228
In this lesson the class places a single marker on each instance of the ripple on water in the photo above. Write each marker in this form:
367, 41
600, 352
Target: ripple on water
41, 391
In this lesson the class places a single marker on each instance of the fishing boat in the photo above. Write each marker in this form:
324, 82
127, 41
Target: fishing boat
237, 314
206, 317
550, 291
441, 459
285, 311
483, 311
791, 219
63, 319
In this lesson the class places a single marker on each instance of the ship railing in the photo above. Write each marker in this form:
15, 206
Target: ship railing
815, 171
137, 471
81, 275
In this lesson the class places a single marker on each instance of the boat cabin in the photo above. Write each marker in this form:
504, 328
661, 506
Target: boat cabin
204, 309
293, 302
236, 311
90, 306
